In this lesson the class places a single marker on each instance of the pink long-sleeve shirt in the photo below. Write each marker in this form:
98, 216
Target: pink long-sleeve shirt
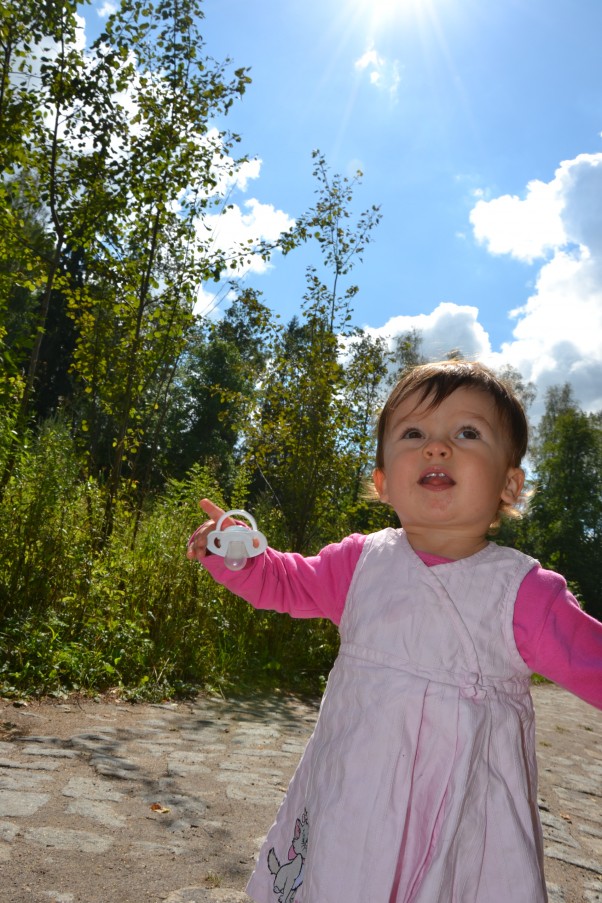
554, 637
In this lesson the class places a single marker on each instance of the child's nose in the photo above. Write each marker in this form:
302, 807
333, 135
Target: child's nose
437, 448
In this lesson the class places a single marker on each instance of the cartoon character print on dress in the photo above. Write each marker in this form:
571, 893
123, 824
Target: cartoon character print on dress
289, 876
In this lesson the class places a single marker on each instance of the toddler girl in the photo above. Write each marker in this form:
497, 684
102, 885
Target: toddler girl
419, 784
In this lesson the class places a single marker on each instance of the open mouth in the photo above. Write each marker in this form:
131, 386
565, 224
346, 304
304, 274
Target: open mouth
436, 479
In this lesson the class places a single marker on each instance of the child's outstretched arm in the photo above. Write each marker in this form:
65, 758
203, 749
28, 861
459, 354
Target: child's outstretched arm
313, 587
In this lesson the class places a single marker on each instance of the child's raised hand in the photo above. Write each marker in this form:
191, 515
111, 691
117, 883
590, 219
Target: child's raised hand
197, 544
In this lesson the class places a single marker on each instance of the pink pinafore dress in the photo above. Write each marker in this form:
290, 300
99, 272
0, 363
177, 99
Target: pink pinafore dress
419, 783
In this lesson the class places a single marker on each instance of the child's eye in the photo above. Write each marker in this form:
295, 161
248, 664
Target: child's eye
469, 432
411, 433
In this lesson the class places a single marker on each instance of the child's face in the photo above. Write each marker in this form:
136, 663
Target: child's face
447, 469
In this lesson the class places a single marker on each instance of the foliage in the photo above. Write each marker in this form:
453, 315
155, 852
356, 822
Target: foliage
215, 388
407, 353
563, 528
136, 615
119, 158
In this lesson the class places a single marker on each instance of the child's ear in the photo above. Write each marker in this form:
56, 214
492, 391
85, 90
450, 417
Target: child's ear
515, 480
380, 484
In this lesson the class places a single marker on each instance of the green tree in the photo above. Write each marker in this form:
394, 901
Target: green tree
564, 524
406, 353
297, 440
525, 391
363, 393
28, 258
215, 389
153, 254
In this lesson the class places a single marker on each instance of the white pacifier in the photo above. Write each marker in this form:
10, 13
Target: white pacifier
236, 543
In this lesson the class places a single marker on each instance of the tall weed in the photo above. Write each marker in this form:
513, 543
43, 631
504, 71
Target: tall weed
47, 525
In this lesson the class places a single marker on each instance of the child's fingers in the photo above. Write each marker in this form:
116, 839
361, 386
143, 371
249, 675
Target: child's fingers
215, 512
197, 544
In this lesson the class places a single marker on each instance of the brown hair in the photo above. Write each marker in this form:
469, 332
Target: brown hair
438, 381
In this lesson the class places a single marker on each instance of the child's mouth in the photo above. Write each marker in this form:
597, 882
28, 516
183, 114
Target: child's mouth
436, 479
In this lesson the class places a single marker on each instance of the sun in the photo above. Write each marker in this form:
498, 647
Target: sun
386, 7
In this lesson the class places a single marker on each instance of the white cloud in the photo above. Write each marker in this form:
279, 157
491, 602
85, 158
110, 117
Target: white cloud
558, 332
527, 228
551, 215
240, 227
237, 229
211, 300
447, 327
231, 175
557, 335
382, 73
107, 9
371, 59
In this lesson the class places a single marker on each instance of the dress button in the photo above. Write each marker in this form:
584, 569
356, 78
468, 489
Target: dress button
473, 692
472, 677
468, 692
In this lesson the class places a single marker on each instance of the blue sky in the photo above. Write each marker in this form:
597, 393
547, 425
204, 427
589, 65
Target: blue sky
477, 125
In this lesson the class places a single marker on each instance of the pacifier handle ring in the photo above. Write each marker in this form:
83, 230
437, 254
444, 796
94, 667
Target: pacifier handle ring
241, 513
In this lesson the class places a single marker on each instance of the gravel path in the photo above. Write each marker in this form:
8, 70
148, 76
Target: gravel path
108, 802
